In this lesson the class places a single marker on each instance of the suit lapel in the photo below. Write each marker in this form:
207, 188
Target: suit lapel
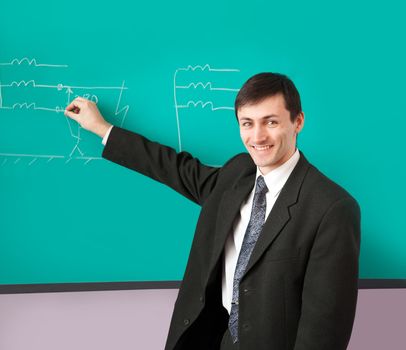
278, 217
280, 214
228, 210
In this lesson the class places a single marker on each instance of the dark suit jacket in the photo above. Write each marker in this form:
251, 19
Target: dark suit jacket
299, 290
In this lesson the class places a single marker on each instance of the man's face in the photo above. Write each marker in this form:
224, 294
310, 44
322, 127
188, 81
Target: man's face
268, 133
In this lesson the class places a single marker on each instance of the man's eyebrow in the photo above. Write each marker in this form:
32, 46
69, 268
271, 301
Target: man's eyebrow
270, 116
264, 117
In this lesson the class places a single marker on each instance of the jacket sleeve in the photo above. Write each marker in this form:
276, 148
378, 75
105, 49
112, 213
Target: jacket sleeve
180, 171
331, 280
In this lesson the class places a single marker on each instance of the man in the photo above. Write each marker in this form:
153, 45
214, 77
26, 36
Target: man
274, 260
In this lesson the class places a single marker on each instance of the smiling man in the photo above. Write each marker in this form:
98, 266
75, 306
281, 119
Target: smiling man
274, 260
268, 131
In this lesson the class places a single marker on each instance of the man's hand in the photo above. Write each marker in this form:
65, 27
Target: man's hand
87, 114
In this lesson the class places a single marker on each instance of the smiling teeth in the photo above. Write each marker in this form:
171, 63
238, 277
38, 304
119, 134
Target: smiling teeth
261, 148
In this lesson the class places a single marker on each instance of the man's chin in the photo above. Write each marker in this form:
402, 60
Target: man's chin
262, 164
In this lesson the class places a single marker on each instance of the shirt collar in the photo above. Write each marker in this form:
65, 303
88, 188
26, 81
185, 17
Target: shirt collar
276, 178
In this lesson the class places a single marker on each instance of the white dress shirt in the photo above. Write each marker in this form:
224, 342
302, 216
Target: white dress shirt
274, 180
105, 138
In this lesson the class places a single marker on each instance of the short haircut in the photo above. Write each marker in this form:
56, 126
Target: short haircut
264, 85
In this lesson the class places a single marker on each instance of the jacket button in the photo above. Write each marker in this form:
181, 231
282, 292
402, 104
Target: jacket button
186, 322
246, 290
245, 326
201, 298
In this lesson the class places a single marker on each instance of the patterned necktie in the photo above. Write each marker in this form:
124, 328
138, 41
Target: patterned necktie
254, 228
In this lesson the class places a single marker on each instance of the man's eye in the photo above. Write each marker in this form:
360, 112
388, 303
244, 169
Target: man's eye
272, 123
245, 124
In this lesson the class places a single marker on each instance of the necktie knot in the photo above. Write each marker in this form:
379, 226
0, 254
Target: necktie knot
261, 185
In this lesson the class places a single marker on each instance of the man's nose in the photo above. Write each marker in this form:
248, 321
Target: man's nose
259, 134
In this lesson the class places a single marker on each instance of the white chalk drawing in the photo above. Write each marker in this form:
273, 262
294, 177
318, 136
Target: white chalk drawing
199, 84
31, 62
70, 90
75, 131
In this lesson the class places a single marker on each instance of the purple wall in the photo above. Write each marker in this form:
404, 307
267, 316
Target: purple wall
139, 320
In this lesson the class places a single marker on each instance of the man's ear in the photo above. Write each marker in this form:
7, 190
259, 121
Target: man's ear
300, 119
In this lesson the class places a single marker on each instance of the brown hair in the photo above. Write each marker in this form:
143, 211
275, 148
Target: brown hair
263, 85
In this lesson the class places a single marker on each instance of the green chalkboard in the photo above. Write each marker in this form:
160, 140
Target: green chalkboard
170, 70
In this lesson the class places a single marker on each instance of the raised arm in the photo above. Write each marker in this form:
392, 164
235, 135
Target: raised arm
181, 171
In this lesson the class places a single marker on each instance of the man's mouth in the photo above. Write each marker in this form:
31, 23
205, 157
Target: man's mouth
261, 147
